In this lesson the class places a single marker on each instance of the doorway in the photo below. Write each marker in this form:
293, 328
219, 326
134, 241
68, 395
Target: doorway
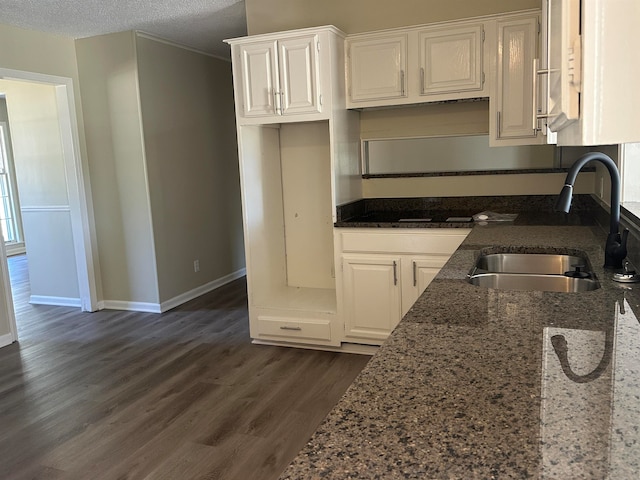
76, 210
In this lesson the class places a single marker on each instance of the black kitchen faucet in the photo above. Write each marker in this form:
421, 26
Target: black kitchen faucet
615, 250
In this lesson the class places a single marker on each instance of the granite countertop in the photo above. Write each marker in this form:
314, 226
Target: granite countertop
469, 386
458, 212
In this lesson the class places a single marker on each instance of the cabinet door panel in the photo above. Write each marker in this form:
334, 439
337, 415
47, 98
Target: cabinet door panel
451, 60
299, 74
517, 48
377, 68
372, 295
259, 82
420, 271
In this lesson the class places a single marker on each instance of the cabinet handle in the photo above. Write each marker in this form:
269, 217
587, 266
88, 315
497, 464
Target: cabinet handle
421, 80
498, 131
281, 103
415, 277
402, 83
290, 328
543, 115
395, 273
534, 96
276, 102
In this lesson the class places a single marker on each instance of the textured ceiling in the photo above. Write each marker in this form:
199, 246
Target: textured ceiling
199, 24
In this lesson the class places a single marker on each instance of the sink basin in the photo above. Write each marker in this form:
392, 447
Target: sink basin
524, 281
533, 271
542, 263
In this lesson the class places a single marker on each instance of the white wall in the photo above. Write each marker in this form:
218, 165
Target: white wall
42, 187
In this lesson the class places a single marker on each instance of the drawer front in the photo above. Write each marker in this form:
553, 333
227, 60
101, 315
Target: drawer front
288, 329
434, 242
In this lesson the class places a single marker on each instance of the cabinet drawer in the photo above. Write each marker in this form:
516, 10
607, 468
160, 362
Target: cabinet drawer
434, 242
285, 329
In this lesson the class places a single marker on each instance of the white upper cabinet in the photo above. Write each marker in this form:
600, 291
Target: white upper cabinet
593, 71
451, 59
513, 118
280, 77
377, 67
420, 64
285, 76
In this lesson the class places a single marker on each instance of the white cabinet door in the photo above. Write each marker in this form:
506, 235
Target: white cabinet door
371, 295
514, 114
418, 271
451, 59
377, 67
299, 78
259, 78
280, 77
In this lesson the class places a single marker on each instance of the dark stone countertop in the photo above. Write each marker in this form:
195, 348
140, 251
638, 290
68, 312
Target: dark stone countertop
457, 212
469, 386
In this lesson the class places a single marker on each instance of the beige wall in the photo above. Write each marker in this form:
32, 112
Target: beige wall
192, 163
108, 79
465, 118
39, 52
354, 16
42, 187
43, 53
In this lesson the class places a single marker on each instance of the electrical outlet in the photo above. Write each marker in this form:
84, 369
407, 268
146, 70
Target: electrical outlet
196, 265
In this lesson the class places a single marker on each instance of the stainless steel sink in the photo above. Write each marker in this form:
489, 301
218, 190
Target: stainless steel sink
549, 272
525, 281
542, 263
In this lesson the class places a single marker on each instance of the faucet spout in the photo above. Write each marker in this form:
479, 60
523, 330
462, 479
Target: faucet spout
616, 245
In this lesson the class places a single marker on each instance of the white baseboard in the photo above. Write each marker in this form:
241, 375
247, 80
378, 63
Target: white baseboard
175, 301
57, 301
354, 348
6, 339
201, 290
132, 306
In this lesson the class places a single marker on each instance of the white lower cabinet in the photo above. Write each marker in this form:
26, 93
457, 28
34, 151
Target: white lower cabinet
419, 272
372, 295
383, 272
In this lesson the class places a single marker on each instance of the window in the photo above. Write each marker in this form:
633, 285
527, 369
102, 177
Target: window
630, 172
8, 219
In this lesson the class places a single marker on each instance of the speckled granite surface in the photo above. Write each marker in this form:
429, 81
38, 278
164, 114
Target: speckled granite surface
398, 212
469, 385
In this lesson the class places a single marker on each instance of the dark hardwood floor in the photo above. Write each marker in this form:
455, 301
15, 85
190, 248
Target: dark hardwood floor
181, 395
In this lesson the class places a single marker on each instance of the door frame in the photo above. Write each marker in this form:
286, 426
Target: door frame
78, 187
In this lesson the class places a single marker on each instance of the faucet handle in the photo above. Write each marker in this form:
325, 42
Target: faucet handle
623, 238
626, 267
616, 249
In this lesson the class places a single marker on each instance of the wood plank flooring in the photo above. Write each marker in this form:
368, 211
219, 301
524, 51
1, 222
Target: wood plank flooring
181, 395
